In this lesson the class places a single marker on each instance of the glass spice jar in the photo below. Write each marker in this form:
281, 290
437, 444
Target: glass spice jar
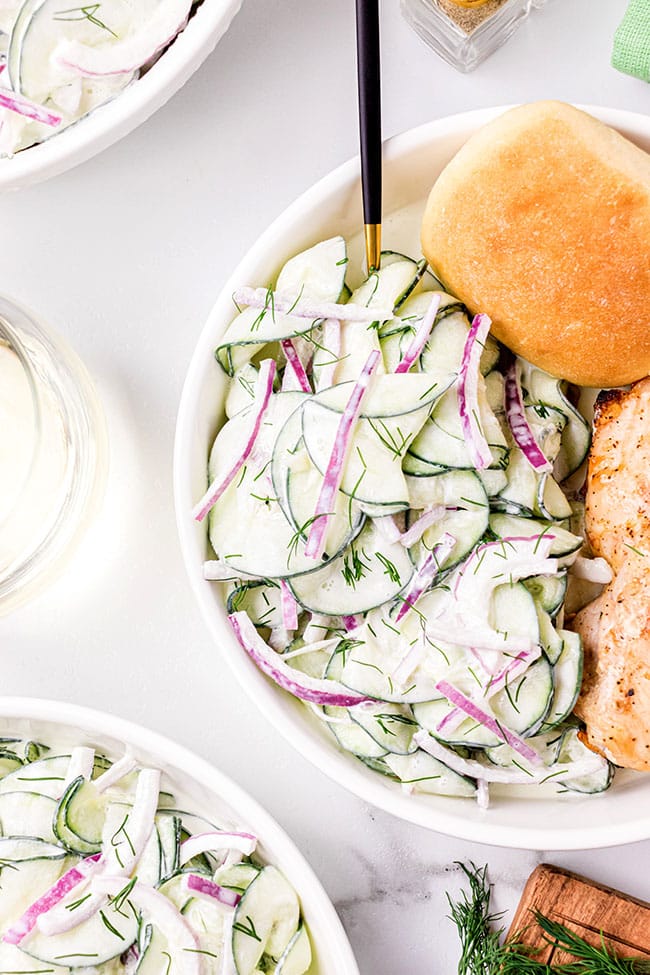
465, 32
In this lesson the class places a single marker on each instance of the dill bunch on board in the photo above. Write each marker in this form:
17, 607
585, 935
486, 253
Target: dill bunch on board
484, 953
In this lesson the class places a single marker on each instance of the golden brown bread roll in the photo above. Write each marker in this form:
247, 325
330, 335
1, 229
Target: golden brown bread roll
542, 220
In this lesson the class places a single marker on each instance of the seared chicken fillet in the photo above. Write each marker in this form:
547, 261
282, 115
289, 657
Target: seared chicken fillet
615, 628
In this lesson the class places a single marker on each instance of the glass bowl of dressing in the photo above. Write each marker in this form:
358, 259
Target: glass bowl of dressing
53, 454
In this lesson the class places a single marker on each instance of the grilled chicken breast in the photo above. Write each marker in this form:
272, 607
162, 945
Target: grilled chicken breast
615, 698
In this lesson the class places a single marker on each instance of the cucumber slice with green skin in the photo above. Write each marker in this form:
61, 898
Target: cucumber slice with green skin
493, 481
547, 424
27, 814
571, 749
79, 817
424, 773
248, 526
468, 733
317, 273
103, 936
444, 350
464, 491
548, 591
265, 921
296, 958
390, 285
45, 777
237, 877
550, 638
389, 396
30, 870
540, 388
260, 600
242, 390
390, 725
567, 679
564, 546
552, 502
369, 572
169, 836
350, 736
9, 763
442, 442
379, 765
13, 960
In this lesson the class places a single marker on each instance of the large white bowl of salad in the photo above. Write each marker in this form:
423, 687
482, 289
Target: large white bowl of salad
390, 528
125, 852
74, 79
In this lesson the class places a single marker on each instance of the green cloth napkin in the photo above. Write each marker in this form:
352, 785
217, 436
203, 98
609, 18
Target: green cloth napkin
631, 52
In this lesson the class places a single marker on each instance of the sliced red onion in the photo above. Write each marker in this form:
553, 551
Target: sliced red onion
521, 431
116, 772
295, 365
327, 692
244, 843
459, 700
82, 761
430, 516
70, 879
468, 393
289, 606
518, 666
23, 106
335, 465
317, 626
421, 336
426, 573
332, 345
166, 917
264, 389
494, 773
304, 308
351, 623
194, 883
388, 528
592, 570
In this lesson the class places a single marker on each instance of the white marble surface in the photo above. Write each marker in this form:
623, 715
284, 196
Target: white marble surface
125, 255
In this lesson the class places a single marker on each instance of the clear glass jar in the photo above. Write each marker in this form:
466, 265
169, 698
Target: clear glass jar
53, 454
466, 35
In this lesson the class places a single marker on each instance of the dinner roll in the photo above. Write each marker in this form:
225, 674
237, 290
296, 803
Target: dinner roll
542, 220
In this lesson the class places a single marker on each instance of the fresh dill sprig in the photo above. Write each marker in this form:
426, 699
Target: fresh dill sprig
484, 953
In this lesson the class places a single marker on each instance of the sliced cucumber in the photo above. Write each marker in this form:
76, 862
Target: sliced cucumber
441, 440
548, 591
426, 774
444, 350
238, 877
27, 814
45, 777
541, 389
571, 749
564, 544
390, 725
317, 273
351, 737
390, 285
79, 817
567, 679
266, 919
260, 600
296, 957
368, 573
169, 837
463, 491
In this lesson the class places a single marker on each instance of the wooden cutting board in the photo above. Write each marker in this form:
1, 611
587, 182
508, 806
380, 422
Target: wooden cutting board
584, 907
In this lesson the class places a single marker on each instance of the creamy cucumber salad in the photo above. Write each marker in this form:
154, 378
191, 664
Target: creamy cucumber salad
58, 61
389, 527
103, 872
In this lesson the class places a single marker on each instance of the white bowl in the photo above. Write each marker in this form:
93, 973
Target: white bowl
110, 122
411, 163
208, 791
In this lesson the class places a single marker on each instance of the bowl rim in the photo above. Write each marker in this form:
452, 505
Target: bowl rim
110, 122
265, 695
286, 855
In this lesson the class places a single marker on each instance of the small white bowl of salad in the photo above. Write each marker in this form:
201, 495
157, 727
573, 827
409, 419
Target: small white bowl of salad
124, 852
76, 78
389, 531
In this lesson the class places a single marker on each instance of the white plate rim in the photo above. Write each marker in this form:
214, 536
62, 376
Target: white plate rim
266, 696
